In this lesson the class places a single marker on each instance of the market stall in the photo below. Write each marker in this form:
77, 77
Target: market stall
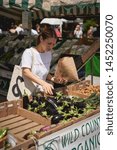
76, 130
30, 129
74, 126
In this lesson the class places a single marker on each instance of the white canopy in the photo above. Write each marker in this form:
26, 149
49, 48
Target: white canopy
53, 21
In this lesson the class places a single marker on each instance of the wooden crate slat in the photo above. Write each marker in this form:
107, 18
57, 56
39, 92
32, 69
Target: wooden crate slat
25, 145
37, 128
32, 148
24, 127
36, 117
93, 48
8, 117
7, 122
17, 124
9, 107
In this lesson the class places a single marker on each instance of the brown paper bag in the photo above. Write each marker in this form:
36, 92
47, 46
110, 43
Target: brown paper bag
66, 69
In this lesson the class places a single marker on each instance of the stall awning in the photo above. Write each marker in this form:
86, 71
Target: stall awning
79, 9
23, 4
48, 9
13, 8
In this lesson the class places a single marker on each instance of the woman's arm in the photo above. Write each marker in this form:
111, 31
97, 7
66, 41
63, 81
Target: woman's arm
46, 86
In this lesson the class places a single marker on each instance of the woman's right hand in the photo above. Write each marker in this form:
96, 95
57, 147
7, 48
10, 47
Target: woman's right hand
47, 87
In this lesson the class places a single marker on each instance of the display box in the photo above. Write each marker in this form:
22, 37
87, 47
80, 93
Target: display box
20, 121
82, 89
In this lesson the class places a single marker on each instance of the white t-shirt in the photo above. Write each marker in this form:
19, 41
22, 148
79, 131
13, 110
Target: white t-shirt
38, 62
0, 31
19, 29
34, 32
78, 34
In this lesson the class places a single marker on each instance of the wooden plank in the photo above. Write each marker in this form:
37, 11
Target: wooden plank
9, 107
17, 119
93, 48
25, 145
24, 127
15, 17
21, 123
8, 117
32, 148
21, 135
33, 116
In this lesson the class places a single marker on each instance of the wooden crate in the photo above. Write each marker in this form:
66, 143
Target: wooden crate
73, 89
83, 89
26, 145
62, 125
20, 121
76, 89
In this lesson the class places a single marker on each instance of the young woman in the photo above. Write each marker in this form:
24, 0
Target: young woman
36, 61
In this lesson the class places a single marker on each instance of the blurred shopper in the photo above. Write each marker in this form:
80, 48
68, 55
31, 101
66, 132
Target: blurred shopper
78, 31
38, 28
58, 32
90, 32
34, 32
19, 29
12, 28
0, 31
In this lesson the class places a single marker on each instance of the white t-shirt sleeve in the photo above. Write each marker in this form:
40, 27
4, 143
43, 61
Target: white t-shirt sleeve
26, 60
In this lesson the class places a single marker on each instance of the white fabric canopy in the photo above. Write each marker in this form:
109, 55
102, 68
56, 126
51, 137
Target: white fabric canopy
53, 21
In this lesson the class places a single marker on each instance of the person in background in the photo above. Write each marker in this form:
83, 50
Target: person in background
42, 59
34, 32
78, 31
19, 29
58, 32
0, 31
38, 28
90, 32
12, 29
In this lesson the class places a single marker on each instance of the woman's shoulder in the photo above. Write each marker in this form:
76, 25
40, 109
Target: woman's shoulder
29, 50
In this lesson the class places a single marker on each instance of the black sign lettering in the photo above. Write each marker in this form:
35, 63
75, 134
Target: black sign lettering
15, 89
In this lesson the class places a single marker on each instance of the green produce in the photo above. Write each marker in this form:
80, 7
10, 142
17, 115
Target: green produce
60, 107
3, 132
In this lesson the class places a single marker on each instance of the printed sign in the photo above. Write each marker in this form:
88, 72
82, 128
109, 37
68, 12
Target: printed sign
19, 84
83, 135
